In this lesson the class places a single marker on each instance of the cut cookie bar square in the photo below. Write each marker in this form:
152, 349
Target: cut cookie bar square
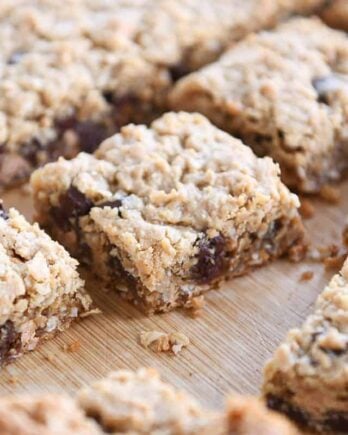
165, 213
187, 34
307, 378
285, 93
71, 74
41, 291
49, 414
336, 14
141, 403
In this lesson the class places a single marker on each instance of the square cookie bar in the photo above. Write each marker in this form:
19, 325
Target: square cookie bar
71, 74
187, 34
285, 93
48, 414
336, 14
41, 291
166, 212
307, 378
141, 403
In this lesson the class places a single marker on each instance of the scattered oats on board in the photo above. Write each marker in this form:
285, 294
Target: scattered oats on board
161, 342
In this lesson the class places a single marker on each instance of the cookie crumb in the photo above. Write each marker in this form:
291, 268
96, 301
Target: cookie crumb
306, 209
335, 262
330, 194
49, 357
196, 305
13, 380
75, 346
307, 275
162, 342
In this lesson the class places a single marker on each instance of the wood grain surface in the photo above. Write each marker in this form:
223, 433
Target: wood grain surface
240, 326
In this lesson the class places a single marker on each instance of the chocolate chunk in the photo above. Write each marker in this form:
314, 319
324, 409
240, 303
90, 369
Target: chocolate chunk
109, 96
120, 274
8, 338
293, 412
3, 212
328, 84
336, 421
211, 259
72, 204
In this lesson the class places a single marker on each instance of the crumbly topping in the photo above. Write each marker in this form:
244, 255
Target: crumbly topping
161, 342
126, 401
40, 286
43, 415
317, 352
285, 92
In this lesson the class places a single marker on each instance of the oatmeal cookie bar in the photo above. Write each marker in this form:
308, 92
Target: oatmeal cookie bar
41, 291
285, 93
336, 14
70, 75
165, 213
307, 379
49, 414
141, 403
187, 34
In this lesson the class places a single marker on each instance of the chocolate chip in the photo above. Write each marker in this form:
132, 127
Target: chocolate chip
210, 259
120, 274
3, 212
336, 421
293, 412
109, 96
8, 338
72, 204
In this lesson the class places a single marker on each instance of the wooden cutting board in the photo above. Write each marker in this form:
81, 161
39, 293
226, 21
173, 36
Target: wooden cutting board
238, 330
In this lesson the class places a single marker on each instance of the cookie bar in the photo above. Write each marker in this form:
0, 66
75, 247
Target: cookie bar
165, 213
141, 403
49, 414
336, 14
41, 291
187, 34
71, 74
307, 377
285, 93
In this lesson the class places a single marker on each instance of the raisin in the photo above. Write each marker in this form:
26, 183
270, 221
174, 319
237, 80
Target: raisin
178, 71
7, 339
293, 412
90, 133
210, 259
336, 421
72, 204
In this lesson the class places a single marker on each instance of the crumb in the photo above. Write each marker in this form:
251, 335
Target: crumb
322, 252
306, 209
298, 252
335, 262
330, 194
196, 305
49, 357
13, 380
75, 346
307, 275
91, 312
162, 342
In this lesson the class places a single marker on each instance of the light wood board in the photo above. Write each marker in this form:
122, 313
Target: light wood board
240, 326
